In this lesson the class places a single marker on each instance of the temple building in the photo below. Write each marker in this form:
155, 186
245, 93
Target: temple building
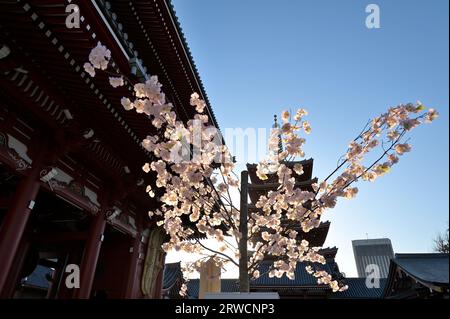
72, 191
413, 276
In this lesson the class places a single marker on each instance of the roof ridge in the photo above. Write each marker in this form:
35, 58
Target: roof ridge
421, 255
177, 24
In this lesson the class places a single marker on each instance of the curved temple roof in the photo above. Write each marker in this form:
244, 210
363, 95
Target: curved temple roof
430, 270
158, 43
427, 268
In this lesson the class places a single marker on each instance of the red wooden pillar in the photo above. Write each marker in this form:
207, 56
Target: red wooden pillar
90, 256
16, 269
16, 219
132, 279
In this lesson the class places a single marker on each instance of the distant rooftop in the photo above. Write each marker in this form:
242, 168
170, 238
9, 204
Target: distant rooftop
357, 289
418, 276
426, 268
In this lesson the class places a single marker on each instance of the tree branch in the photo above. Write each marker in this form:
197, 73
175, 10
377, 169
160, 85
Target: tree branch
217, 253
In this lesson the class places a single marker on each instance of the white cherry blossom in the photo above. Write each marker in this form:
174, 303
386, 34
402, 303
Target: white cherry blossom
116, 81
194, 193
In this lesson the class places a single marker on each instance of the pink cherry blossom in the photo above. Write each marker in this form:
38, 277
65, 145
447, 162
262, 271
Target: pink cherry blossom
116, 81
89, 68
402, 148
99, 57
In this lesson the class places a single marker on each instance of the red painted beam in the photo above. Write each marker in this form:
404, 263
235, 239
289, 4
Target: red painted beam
58, 237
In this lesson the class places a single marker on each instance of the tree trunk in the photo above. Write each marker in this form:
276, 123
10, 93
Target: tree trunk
244, 280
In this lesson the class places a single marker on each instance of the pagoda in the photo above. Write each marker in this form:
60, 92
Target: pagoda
304, 285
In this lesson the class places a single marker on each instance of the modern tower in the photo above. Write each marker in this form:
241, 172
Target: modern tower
377, 252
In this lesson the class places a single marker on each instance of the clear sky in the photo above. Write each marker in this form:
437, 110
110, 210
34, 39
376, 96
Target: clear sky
259, 57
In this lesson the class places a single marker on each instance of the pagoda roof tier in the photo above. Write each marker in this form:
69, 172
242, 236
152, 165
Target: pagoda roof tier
316, 236
273, 178
302, 277
329, 253
255, 191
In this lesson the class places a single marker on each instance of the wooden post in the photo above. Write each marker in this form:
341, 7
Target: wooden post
90, 256
16, 269
209, 278
244, 280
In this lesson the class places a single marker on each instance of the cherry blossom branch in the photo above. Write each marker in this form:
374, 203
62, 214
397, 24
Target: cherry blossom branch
377, 161
346, 160
217, 252
228, 190
189, 190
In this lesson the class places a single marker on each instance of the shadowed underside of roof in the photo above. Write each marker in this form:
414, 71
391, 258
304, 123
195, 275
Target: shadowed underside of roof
158, 37
418, 276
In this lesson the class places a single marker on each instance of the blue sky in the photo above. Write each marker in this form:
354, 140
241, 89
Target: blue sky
259, 57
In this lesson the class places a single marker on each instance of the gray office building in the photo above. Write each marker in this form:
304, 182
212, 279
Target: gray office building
373, 252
